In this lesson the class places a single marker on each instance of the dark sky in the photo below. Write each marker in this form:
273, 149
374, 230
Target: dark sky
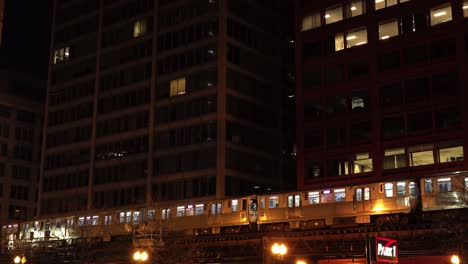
25, 41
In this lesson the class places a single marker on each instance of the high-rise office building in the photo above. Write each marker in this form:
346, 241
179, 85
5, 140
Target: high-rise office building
381, 88
20, 138
161, 100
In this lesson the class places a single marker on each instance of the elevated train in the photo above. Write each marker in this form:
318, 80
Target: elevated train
375, 203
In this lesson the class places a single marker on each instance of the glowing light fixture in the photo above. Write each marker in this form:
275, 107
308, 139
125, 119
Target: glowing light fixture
439, 14
351, 37
455, 259
327, 16
353, 8
385, 37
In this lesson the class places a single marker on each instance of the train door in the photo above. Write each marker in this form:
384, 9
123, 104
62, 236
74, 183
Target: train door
294, 205
253, 210
362, 199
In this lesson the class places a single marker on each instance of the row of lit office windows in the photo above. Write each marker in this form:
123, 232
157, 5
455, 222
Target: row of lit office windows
387, 29
392, 159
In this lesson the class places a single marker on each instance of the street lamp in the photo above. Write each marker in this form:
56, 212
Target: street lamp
19, 259
279, 250
455, 259
140, 256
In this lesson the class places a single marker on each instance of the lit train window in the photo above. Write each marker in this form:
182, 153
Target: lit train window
340, 195
466, 182
95, 220
108, 220
234, 205
199, 209
151, 214
413, 191
358, 194
366, 194
163, 214
273, 202
388, 190
326, 196
128, 217
180, 211
428, 185
297, 200
290, 201
401, 189
314, 197
122, 217
219, 208
136, 217
81, 221
189, 210
444, 185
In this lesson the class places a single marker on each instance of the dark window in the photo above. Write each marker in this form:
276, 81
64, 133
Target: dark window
448, 118
389, 61
313, 139
417, 89
336, 136
393, 126
311, 79
336, 105
313, 111
415, 55
357, 69
313, 169
360, 132
445, 84
443, 48
420, 121
334, 74
391, 94
312, 50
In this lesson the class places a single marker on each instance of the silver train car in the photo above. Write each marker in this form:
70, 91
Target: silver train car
375, 203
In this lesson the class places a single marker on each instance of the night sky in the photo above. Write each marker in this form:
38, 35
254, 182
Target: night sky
26, 37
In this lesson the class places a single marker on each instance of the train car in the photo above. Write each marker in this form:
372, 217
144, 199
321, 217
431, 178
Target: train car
444, 192
378, 202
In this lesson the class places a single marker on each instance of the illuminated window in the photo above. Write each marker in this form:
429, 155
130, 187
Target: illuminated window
362, 163
413, 189
388, 29
297, 200
219, 208
180, 211
136, 217
151, 214
340, 195
358, 194
379, 4
327, 196
108, 220
465, 8
394, 158
421, 155
466, 183
333, 15
234, 205
311, 21
139, 28
199, 209
95, 220
61, 55
444, 185
273, 202
428, 186
81, 221
451, 154
122, 217
388, 190
178, 87
441, 14
356, 8
339, 41
401, 188
367, 194
290, 201
356, 37
189, 210
166, 214
314, 197
128, 217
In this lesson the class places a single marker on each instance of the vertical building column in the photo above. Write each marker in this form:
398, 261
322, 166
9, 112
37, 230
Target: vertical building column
221, 97
46, 113
97, 85
153, 87
458, 18
376, 113
300, 158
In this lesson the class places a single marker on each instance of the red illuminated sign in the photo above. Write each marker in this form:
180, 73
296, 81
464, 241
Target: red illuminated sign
386, 250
